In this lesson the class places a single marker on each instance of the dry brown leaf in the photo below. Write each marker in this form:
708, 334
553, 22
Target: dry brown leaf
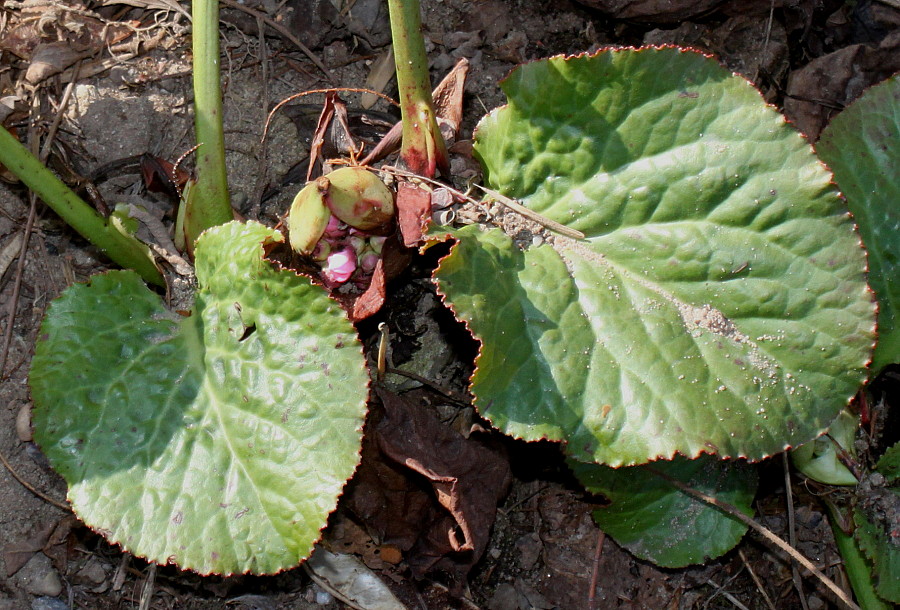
819, 90
446, 531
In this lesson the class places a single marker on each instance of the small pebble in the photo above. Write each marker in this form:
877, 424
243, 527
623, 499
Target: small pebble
49, 603
23, 423
815, 602
38, 577
93, 573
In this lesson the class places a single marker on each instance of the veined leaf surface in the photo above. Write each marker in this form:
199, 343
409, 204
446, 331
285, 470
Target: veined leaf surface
718, 302
218, 441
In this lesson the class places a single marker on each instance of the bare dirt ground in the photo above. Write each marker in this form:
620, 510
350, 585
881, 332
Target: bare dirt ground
130, 94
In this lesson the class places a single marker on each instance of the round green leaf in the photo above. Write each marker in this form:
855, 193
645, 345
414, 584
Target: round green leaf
718, 303
660, 523
218, 441
861, 147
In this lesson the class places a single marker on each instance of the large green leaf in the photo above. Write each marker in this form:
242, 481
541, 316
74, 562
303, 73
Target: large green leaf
656, 521
861, 147
718, 303
218, 441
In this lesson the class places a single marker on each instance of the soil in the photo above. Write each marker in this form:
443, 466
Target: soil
808, 57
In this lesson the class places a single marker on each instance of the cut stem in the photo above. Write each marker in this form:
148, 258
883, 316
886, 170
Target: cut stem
422, 149
122, 248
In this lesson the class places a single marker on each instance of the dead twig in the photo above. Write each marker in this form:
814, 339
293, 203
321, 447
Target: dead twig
284, 32
262, 158
595, 571
291, 98
792, 530
148, 589
765, 48
520, 209
762, 531
445, 392
726, 595
31, 488
17, 285
756, 580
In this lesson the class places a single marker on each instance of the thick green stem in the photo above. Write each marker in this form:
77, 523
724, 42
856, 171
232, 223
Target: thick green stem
122, 248
858, 571
423, 149
210, 205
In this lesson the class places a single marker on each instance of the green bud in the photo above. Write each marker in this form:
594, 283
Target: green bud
308, 216
359, 198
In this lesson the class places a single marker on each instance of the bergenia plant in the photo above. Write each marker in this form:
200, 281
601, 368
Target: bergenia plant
704, 306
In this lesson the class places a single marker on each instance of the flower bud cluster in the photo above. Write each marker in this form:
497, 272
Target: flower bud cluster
347, 254
334, 220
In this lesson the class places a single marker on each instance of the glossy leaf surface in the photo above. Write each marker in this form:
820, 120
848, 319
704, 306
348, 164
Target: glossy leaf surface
718, 303
660, 523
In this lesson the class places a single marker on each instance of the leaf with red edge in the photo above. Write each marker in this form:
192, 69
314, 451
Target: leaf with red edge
718, 303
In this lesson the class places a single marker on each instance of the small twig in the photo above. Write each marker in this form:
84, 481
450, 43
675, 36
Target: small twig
756, 580
846, 459
57, 120
595, 572
284, 32
148, 589
447, 393
532, 215
792, 530
727, 595
762, 531
765, 48
291, 98
119, 576
396, 171
31, 488
17, 285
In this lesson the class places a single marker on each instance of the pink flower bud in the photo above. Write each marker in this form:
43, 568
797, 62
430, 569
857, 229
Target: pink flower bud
368, 261
376, 243
340, 266
335, 228
321, 251
357, 243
